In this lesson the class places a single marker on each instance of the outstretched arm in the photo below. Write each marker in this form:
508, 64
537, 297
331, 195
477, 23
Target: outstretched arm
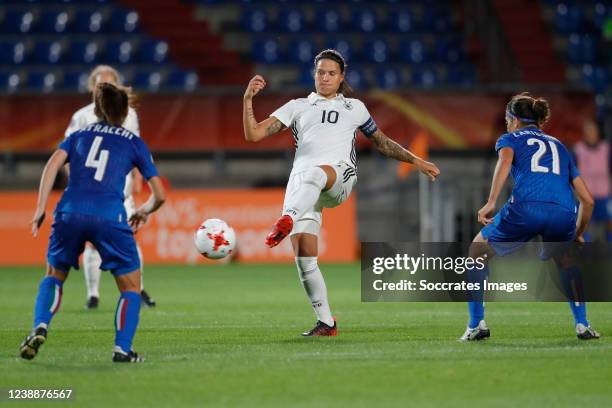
502, 169
394, 150
254, 131
55, 162
586, 206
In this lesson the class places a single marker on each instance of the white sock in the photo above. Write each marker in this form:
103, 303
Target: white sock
141, 266
91, 268
307, 194
314, 285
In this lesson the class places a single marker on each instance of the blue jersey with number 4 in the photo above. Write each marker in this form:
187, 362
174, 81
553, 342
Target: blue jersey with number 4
542, 168
100, 157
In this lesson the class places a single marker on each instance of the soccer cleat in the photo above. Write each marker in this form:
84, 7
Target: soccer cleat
147, 300
92, 303
29, 347
585, 332
479, 332
282, 228
322, 329
120, 356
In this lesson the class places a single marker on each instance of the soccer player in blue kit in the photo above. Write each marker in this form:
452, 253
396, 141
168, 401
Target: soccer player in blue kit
91, 210
542, 202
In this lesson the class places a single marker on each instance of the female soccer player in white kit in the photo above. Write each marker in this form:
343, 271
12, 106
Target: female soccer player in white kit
324, 171
84, 117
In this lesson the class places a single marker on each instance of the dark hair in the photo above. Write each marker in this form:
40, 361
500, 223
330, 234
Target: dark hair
111, 103
528, 109
335, 55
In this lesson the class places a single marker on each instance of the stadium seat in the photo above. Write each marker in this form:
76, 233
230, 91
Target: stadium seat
119, 51
376, 50
328, 20
122, 21
403, 22
18, 22
153, 51
41, 82
601, 13
255, 20
302, 50
75, 81
413, 52
596, 77
460, 75
581, 48
365, 20
10, 82
449, 50
147, 80
436, 19
48, 52
388, 78
83, 52
291, 20
13, 52
344, 46
355, 78
266, 51
88, 21
52, 21
182, 80
424, 78
568, 18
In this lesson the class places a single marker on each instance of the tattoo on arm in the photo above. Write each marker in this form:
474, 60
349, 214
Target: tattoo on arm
275, 127
391, 148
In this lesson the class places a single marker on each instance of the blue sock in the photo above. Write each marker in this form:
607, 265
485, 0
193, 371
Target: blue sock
48, 300
126, 319
476, 297
572, 286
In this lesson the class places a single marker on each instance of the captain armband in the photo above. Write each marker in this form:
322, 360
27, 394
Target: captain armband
369, 128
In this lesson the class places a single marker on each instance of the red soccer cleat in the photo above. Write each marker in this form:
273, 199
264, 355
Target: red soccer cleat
321, 329
282, 228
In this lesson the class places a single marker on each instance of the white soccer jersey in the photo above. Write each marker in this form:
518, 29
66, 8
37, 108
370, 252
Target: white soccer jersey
86, 116
325, 129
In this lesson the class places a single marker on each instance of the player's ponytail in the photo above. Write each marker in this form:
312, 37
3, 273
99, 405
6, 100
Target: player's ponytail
336, 56
111, 103
528, 110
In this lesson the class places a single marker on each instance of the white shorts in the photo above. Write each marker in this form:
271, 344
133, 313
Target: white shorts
310, 223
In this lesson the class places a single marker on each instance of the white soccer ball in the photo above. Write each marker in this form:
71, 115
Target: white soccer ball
215, 239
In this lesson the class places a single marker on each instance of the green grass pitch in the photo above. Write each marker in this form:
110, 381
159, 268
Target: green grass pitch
230, 336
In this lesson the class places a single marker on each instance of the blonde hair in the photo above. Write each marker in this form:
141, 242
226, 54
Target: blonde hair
99, 70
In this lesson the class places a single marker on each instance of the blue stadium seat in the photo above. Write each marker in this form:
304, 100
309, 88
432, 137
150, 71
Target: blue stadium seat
120, 51
601, 12
147, 80
291, 20
75, 81
48, 52
13, 53
596, 77
460, 75
53, 21
355, 78
266, 51
84, 52
344, 46
365, 20
256, 20
153, 51
449, 50
41, 81
329, 20
388, 78
18, 22
424, 78
436, 19
302, 50
182, 80
568, 18
376, 50
581, 48
122, 21
88, 21
403, 22
413, 52
10, 82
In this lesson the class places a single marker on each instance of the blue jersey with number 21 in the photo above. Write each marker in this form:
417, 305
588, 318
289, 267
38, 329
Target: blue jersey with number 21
100, 157
542, 168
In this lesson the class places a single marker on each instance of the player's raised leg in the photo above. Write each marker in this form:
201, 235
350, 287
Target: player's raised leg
91, 269
48, 302
306, 250
300, 198
126, 317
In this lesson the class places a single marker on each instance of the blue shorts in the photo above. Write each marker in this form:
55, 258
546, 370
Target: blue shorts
114, 241
517, 223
